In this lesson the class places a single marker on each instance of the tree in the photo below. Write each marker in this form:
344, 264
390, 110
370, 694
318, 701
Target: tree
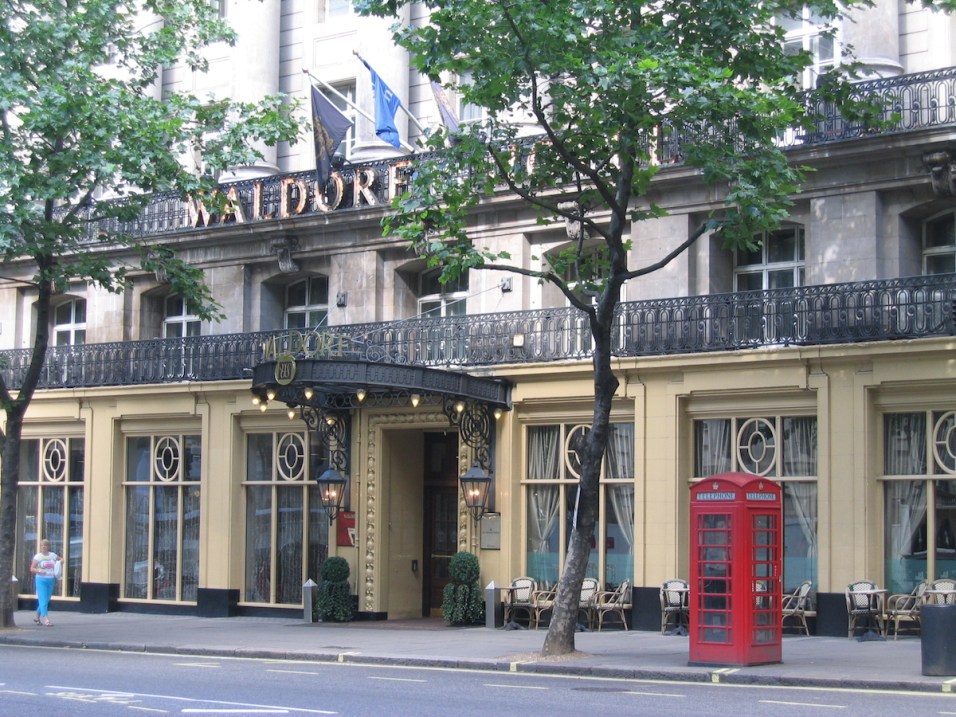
580, 95
80, 116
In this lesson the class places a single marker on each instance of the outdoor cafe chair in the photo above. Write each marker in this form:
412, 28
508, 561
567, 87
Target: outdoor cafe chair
797, 605
542, 601
613, 602
518, 598
940, 592
589, 591
864, 602
674, 603
905, 607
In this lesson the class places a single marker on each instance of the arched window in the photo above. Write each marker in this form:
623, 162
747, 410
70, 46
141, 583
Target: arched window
939, 244
69, 323
307, 303
776, 263
178, 320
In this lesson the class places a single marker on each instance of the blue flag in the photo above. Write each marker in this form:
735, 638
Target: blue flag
386, 104
329, 127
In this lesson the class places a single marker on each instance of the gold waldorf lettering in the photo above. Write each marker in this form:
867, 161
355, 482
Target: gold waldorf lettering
257, 201
338, 191
198, 212
234, 208
362, 185
286, 185
398, 178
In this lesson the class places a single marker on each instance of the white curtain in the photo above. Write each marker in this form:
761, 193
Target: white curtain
543, 505
800, 446
904, 444
621, 499
711, 447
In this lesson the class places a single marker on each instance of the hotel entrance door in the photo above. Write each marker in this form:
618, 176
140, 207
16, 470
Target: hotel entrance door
440, 515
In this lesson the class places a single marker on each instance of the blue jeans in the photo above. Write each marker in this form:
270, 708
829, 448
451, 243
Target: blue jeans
44, 587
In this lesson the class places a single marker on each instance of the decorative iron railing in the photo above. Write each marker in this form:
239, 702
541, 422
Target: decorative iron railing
911, 102
883, 310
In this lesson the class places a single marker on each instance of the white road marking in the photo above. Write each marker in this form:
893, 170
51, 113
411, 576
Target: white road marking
655, 694
296, 672
516, 687
229, 707
803, 704
394, 679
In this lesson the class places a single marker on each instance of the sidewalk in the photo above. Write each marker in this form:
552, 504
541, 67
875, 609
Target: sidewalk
807, 661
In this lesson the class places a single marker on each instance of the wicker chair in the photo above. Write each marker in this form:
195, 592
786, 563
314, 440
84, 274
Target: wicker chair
941, 592
864, 601
674, 603
518, 598
613, 602
541, 602
904, 607
589, 590
798, 606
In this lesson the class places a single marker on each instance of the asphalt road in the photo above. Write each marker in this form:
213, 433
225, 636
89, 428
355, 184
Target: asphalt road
49, 682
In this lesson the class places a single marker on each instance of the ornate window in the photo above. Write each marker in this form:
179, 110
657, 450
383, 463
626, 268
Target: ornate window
178, 320
69, 323
50, 505
550, 488
776, 263
287, 530
919, 488
939, 244
162, 517
437, 300
780, 447
307, 303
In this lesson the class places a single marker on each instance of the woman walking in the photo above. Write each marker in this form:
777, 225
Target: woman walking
43, 568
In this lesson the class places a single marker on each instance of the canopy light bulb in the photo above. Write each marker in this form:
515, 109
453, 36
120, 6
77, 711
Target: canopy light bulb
309, 393
291, 413
263, 406
416, 399
256, 400
498, 413
460, 406
360, 394
271, 394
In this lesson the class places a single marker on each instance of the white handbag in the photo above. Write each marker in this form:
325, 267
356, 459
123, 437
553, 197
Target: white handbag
58, 569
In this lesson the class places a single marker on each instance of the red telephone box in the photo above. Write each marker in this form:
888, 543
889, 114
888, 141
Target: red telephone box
735, 570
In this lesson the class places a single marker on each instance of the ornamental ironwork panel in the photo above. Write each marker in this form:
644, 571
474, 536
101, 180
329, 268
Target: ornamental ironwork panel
883, 310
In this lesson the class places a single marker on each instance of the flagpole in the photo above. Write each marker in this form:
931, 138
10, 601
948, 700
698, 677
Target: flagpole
338, 94
351, 104
401, 106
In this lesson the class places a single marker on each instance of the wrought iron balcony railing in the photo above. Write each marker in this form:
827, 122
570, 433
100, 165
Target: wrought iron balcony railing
911, 102
883, 310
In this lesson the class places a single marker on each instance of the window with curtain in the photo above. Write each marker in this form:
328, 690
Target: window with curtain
287, 530
780, 447
307, 303
551, 494
919, 497
939, 244
50, 505
162, 489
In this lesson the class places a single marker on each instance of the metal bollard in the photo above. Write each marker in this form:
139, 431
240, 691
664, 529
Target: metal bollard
308, 598
494, 610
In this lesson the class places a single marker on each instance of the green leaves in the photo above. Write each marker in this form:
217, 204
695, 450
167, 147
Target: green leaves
82, 116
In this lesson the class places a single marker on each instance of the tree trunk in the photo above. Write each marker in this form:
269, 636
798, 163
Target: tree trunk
9, 481
564, 615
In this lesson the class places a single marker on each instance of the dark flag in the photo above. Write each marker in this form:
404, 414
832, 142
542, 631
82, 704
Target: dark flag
447, 112
386, 104
329, 127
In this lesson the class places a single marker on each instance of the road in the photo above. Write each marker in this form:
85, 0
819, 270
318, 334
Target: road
49, 682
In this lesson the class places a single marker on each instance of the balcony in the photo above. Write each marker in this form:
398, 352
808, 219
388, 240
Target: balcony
885, 310
912, 102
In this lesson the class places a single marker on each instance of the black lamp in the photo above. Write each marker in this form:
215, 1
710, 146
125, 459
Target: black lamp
331, 491
475, 484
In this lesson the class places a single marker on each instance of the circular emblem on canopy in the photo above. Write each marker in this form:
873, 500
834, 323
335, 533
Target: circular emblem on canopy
285, 369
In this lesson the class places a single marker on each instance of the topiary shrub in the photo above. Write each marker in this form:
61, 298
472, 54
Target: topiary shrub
462, 600
334, 603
